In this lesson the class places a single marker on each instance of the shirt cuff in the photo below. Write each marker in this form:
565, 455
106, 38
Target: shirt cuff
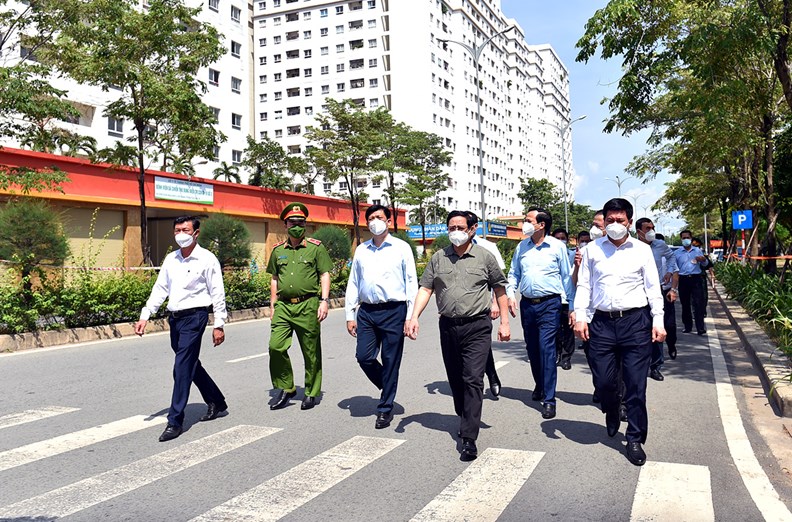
657, 321
350, 315
145, 314
580, 315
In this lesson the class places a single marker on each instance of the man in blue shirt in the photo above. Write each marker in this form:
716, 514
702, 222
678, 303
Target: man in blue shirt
691, 291
541, 275
565, 340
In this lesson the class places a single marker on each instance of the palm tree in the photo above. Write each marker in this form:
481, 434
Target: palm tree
229, 172
119, 154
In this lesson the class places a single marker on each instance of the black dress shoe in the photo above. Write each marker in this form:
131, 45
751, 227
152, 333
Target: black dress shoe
612, 423
214, 411
623, 412
170, 433
383, 420
672, 352
469, 450
635, 453
702, 332
656, 375
548, 410
283, 399
495, 387
566, 364
595, 398
537, 394
308, 402
686, 330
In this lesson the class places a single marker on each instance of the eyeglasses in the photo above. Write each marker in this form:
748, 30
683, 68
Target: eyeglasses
454, 228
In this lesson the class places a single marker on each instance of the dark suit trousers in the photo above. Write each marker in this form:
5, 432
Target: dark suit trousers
628, 338
380, 330
465, 346
185, 336
565, 338
540, 326
691, 291
669, 323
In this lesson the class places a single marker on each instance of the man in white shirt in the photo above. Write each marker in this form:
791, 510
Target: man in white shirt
192, 281
618, 283
382, 286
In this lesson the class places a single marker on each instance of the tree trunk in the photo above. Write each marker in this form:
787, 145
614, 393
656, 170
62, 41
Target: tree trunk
423, 229
771, 214
392, 191
144, 246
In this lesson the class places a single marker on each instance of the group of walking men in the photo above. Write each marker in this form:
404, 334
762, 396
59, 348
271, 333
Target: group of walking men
607, 293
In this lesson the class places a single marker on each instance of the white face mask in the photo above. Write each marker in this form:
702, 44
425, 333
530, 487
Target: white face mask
183, 239
458, 238
616, 231
528, 229
582, 244
650, 236
595, 233
377, 226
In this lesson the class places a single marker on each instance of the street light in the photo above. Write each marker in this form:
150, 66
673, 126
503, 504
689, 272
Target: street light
563, 130
475, 53
618, 182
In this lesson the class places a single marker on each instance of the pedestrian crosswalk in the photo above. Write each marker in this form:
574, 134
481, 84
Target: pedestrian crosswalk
481, 491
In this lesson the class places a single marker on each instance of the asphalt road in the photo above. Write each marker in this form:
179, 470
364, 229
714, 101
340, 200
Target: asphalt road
79, 428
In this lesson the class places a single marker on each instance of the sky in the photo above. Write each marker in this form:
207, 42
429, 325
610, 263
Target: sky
597, 155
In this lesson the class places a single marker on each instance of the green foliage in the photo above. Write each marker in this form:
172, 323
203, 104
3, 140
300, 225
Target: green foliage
338, 280
440, 242
226, 237
402, 234
93, 298
507, 247
29, 180
267, 163
336, 241
539, 193
227, 172
246, 289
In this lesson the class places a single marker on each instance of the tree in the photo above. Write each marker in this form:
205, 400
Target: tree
266, 161
151, 57
336, 241
228, 238
398, 155
539, 193
119, 155
228, 172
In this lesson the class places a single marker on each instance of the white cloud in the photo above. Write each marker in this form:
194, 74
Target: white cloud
593, 166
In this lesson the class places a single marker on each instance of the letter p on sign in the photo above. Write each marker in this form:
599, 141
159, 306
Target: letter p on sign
742, 219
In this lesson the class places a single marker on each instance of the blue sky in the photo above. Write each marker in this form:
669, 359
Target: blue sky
596, 154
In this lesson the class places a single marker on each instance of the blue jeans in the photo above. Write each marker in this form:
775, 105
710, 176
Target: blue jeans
540, 326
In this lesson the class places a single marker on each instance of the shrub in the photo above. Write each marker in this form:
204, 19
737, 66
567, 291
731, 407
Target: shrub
228, 238
336, 241
246, 289
440, 242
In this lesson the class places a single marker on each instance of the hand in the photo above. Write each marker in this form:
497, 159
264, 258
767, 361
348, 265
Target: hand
512, 307
658, 334
672, 296
581, 330
352, 328
321, 313
578, 257
218, 336
411, 329
667, 278
504, 332
140, 327
572, 319
272, 310
494, 313
700, 259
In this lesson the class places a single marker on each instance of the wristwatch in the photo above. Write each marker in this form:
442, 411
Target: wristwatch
325, 299
674, 290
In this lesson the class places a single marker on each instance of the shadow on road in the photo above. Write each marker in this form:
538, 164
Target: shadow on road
364, 406
581, 432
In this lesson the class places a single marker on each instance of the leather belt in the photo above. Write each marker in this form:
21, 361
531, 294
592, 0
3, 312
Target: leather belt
537, 300
176, 314
387, 305
620, 313
691, 275
456, 321
300, 299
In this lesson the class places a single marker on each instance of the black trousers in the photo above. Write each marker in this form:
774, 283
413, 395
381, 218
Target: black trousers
465, 346
691, 292
565, 338
669, 323
185, 337
628, 338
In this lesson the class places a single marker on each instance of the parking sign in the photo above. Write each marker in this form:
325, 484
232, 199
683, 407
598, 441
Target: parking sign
742, 219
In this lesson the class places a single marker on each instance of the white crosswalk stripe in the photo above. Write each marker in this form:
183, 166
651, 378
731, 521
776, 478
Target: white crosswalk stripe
501, 364
91, 491
281, 495
15, 419
484, 489
672, 492
71, 441
248, 358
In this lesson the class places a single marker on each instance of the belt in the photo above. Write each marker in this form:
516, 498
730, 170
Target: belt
456, 321
620, 313
387, 305
300, 299
691, 275
537, 300
176, 314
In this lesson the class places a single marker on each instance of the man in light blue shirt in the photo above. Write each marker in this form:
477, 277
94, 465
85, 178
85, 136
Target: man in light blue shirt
541, 274
565, 340
382, 286
691, 290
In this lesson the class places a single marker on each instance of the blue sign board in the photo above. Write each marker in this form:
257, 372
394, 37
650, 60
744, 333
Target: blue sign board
742, 219
496, 229
432, 231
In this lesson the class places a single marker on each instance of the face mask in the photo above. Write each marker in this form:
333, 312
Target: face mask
296, 232
650, 236
183, 239
377, 226
528, 229
582, 244
564, 241
616, 231
687, 242
595, 233
458, 238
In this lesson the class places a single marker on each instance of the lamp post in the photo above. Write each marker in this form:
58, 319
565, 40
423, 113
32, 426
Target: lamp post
618, 182
563, 130
475, 53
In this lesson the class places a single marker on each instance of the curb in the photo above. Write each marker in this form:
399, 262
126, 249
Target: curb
773, 365
46, 339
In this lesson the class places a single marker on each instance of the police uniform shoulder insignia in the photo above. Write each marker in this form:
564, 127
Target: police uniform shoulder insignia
281, 243
314, 241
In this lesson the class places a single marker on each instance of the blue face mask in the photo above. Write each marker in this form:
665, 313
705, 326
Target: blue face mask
687, 242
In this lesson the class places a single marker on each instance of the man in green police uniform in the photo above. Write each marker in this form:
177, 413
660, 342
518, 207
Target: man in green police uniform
300, 288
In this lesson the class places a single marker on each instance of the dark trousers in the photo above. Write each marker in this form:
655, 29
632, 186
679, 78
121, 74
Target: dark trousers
465, 345
185, 336
669, 323
540, 326
565, 338
691, 291
492, 373
629, 339
380, 330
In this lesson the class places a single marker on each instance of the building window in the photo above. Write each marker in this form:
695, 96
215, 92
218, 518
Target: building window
263, 23
277, 58
325, 89
323, 13
339, 29
292, 111
373, 43
262, 78
343, 185
372, 4
309, 91
236, 13
355, 25
262, 135
263, 98
340, 87
277, 77
278, 95
306, 35
357, 83
214, 77
236, 85
324, 51
307, 15
375, 183
372, 62
277, 40
323, 31
236, 121
373, 82
307, 53
216, 114
263, 116
340, 67
279, 133
372, 24
327, 186
373, 102
214, 5
339, 9
236, 157
325, 69
262, 60
262, 5
216, 153
340, 48
294, 130
375, 202
309, 111
262, 42
276, 20
307, 72
115, 127
236, 49
278, 115
275, 3
292, 92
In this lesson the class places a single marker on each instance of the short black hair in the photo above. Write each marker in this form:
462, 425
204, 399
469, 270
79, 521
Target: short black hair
461, 213
640, 223
543, 216
473, 216
583, 233
375, 208
618, 205
660, 236
686, 231
561, 230
196, 223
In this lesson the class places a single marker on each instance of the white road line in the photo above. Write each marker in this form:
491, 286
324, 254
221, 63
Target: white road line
105, 486
501, 364
755, 479
673, 492
484, 489
15, 419
279, 496
249, 357
78, 439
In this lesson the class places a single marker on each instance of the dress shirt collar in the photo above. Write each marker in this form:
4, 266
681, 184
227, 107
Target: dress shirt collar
385, 242
196, 253
299, 245
449, 251
629, 243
